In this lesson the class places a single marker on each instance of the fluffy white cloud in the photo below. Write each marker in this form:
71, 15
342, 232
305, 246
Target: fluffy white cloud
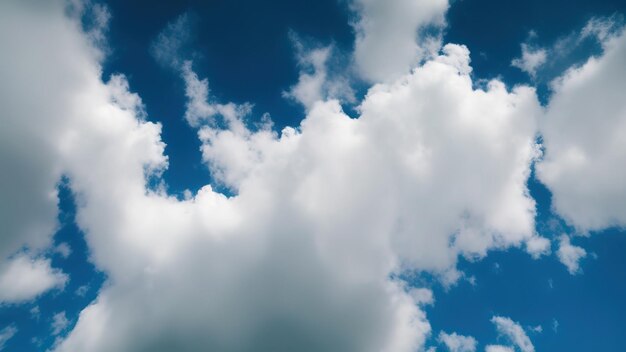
537, 246
570, 255
440, 205
324, 214
531, 60
390, 36
23, 278
6, 334
457, 343
498, 348
585, 140
315, 82
514, 332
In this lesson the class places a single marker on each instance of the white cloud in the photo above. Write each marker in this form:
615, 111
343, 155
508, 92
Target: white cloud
6, 334
537, 246
532, 59
315, 83
457, 343
585, 143
406, 143
59, 323
23, 278
199, 109
570, 255
514, 332
390, 38
498, 348
303, 251
324, 213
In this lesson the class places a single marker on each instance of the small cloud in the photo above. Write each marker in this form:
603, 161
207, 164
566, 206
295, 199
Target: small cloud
25, 278
59, 323
422, 296
457, 343
570, 255
169, 47
514, 332
6, 334
555, 325
531, 60
537, 246
63, 249
82, 290
498, 348
35, 312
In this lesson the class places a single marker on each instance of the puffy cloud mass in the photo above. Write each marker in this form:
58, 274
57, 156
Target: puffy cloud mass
23, 278
305, 255
498, 348
392, 36
584, 134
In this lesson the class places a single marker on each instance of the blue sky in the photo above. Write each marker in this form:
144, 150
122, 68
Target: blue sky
437, 176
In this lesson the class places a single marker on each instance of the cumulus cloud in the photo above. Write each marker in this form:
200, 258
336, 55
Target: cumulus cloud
457, 343
498, 348
531, 60
585, 144
324, 215
6, 334
23, 278
570, 255
514, 332
392, 36
403, 130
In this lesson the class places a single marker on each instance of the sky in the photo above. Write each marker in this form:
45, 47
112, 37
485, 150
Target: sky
337, 175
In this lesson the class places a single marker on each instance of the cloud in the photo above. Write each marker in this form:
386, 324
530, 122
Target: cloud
514, 332
315, 82
457, 343
23, 279
570, 255
63, 249
392, 36
6, 334
322, 215
498, 348
537, 246
407, 146
585, 145
172, 43
532, 59
59, 323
